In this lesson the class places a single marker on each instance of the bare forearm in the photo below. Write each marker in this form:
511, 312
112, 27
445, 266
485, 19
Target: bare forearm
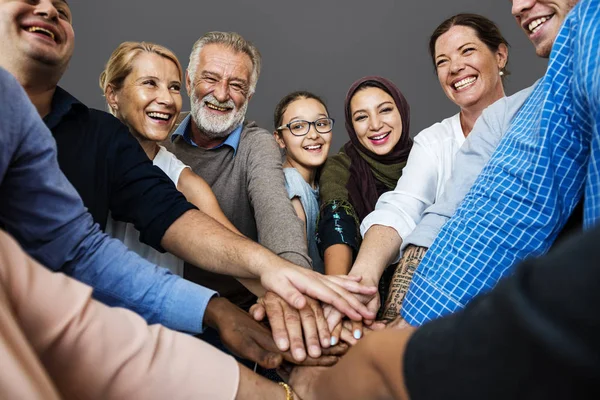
378, 250
370, 370
200, 194
202, 241
401, 280
338, 259
254, 387
254, 286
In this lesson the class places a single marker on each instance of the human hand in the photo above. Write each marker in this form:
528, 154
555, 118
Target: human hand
241, 334
334, 319
348, 328
288, 325
290, 283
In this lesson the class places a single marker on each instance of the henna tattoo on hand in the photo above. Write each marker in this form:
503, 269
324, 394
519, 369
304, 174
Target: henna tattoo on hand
401, 281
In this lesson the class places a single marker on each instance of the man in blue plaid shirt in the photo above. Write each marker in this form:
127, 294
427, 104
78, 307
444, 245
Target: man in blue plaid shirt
543, 166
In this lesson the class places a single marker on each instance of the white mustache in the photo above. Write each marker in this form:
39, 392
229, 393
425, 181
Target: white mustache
209, 98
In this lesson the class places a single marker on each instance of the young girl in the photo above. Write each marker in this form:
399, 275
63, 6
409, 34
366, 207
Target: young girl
303, 129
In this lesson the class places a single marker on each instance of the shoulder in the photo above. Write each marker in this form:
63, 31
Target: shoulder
101, 122
292, 174
507, 106
253, 135
294, 182
340, 159
251, 132
15, 104
164, 158
439, 132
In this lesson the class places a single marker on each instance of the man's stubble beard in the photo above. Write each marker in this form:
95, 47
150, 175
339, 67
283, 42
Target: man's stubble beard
214, 126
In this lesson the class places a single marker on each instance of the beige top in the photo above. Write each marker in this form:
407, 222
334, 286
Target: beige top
57, 342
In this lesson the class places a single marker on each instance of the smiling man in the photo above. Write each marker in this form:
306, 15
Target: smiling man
239, 160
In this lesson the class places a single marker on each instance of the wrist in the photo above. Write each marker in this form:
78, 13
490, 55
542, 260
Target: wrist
214, 310
289, 393
368, 277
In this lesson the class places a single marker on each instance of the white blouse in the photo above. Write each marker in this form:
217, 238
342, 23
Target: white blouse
428, 168
130, 236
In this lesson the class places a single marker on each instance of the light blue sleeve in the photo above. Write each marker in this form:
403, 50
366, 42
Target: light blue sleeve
470, 160
42, 210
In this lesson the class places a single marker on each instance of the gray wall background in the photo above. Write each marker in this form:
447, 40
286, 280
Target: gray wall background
321, 46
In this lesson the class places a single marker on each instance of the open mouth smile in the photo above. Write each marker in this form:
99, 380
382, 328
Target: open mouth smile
464, 83
42, 31
313, 147
536, 24
379, 138
160, 117
217, 108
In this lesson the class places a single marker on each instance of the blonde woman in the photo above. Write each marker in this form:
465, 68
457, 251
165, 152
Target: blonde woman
142, 84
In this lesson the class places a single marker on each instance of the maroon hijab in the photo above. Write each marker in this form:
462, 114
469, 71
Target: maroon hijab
363, 188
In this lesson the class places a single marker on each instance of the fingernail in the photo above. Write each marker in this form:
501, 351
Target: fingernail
314, 351
282, 344
333, 340
357, 334
299, 354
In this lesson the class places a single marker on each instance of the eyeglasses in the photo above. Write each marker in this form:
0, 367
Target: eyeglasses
301, 127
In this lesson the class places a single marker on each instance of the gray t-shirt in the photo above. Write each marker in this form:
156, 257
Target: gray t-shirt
470, 160
296, 186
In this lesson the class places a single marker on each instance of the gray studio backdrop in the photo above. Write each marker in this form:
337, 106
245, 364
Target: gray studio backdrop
316, 45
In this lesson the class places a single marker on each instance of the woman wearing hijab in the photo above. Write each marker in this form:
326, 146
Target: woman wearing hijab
469, 55
377, 121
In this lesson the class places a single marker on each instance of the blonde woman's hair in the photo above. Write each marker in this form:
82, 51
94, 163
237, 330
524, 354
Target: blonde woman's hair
234, 41
120, 63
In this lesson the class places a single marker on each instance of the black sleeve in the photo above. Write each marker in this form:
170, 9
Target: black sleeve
337, 224
536, 336
141, 193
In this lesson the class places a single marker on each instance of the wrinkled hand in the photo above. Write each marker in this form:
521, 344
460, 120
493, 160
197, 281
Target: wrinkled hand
288, 325
291, 283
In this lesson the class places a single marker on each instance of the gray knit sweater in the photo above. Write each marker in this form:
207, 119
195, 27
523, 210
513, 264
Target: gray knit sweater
251, 191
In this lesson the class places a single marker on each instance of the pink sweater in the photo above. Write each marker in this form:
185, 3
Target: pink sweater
57, 342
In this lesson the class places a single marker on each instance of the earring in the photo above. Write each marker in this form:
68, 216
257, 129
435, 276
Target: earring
501, 73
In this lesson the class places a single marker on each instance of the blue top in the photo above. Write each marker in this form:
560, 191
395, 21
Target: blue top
42, 210
525, 194
296, 186
184, 130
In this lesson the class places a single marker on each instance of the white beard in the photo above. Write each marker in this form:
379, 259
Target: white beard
216, 126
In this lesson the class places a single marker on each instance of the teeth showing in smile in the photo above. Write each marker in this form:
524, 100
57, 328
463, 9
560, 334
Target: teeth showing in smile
379, 137
313, 147
463, 83
215, 107
535, 25
158, 115
46, 32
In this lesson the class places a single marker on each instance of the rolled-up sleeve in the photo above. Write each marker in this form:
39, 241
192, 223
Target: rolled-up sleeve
402, 207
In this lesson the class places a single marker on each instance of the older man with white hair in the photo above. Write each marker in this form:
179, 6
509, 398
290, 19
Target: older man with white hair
239, 160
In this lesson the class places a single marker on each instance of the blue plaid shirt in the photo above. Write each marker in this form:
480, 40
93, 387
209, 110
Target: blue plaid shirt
546, 161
